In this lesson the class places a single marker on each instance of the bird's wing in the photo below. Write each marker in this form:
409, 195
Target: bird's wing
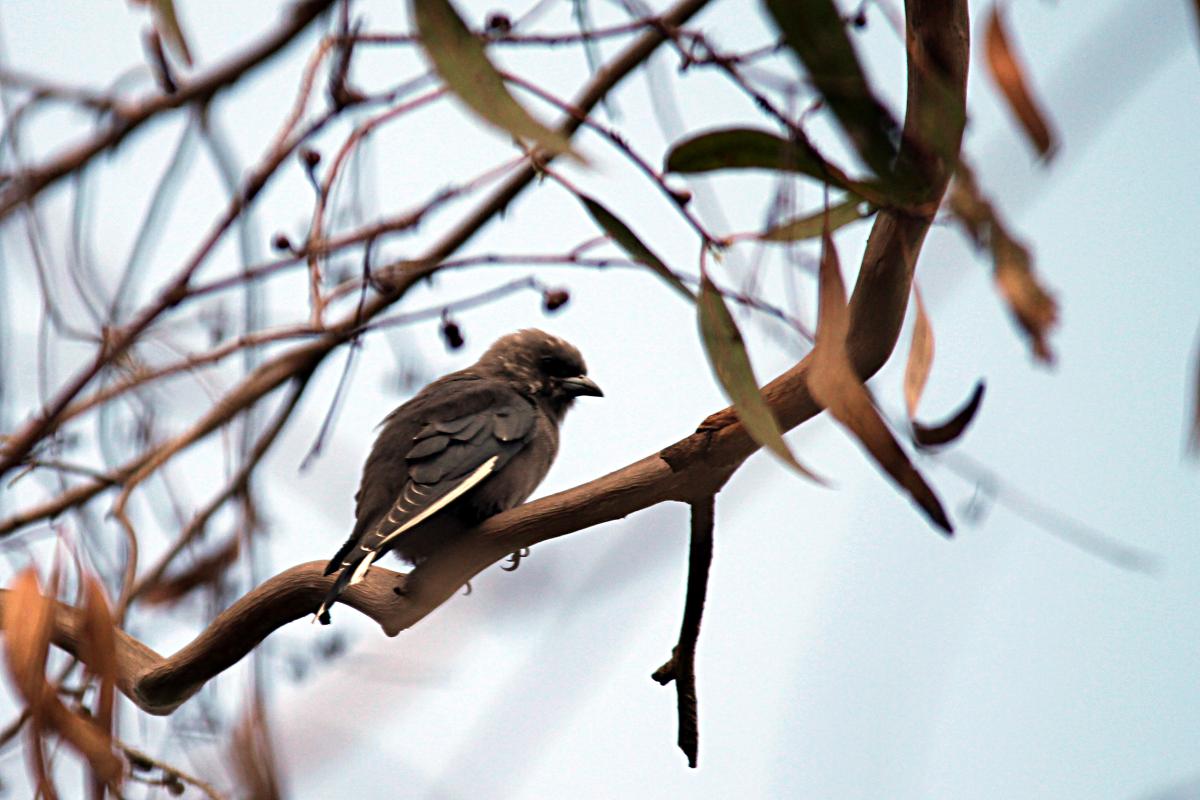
459, 441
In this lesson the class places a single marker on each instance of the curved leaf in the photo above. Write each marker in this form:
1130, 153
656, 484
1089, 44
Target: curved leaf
628, 241
460, 61
731, 365
753, 148
746, 148
810, 226
835, 385
815, 32
920, 358
1007, 72
1034, 308
951, 429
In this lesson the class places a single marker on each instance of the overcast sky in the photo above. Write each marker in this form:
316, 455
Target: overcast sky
848, 651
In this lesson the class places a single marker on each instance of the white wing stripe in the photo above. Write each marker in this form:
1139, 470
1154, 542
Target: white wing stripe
361, 570
458, 491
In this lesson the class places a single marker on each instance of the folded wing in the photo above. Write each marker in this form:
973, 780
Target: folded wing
439, 453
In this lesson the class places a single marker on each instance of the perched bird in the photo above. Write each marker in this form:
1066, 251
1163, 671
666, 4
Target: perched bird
469, 445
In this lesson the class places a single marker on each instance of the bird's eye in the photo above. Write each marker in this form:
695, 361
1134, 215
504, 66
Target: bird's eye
557, 367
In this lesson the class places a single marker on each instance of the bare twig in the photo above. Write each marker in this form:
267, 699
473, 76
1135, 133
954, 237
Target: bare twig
171, 776
681, 667
195, 528
688, 471
271, 374
130, 116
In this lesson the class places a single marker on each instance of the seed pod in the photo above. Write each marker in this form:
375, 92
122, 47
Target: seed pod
451, 334
554, 299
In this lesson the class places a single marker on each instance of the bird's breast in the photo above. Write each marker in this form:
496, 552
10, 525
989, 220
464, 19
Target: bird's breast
521, 476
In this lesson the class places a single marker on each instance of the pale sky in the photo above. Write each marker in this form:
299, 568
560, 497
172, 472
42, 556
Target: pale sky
848, 651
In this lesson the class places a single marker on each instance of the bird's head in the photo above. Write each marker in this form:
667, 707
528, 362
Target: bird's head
544, 366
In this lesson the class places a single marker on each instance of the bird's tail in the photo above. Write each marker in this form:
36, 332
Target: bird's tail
352, 571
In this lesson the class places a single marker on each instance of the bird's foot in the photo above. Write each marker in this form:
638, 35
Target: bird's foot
514, 559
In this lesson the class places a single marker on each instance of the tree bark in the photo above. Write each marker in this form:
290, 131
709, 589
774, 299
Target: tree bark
686, 471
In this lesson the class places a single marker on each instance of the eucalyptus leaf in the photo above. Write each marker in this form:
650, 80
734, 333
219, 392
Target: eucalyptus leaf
628, 241
811, 225
835, 385
815, 32
459, 59
748, 148
731, 365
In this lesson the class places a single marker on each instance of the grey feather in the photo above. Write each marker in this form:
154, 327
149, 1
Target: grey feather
467, 446
427, 447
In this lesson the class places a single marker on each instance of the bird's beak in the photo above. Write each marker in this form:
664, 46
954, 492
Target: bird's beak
581, 385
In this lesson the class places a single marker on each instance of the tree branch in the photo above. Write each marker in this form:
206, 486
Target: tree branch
128, 118
306, 358
681, 667
687, 471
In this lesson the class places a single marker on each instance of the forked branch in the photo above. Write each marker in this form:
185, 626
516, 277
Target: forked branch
687, 471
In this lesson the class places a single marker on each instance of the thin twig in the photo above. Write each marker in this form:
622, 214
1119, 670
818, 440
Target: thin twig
681, 667
130, 116
143, 762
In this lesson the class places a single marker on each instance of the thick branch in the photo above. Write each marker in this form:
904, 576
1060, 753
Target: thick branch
159, 685
687, 471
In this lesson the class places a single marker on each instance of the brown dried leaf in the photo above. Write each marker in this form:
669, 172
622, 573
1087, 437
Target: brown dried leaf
1009, 76
951, 429
1034, 308
253, 758
204, 572
920, 358
98, 648
85, 736
835, 385
28, 624
28, 621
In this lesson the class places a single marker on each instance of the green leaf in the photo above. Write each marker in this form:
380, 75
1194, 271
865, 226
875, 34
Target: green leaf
628, 241
815, 32
748, 148
811, 225
730, 363
459, 59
